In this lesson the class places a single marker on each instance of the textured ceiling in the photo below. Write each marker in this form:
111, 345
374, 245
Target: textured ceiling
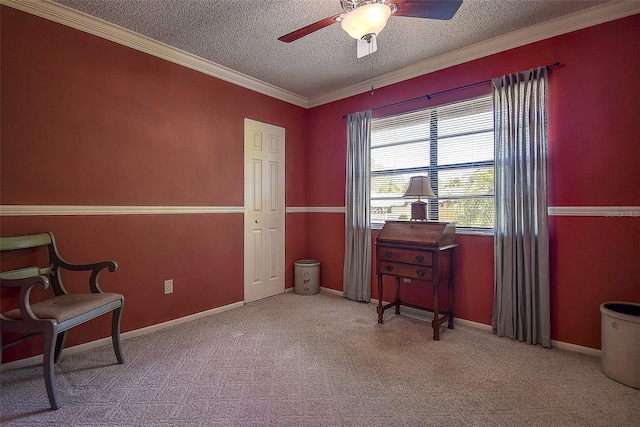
243, 35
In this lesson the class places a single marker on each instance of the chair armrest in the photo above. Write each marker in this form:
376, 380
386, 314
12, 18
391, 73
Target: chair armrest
25, 279
95, 268
13, 275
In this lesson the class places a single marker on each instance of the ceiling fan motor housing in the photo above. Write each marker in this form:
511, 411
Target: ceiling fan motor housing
349, 5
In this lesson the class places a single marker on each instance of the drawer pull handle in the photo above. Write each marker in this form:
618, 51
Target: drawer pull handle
388, 267
388, 254
420, 273
420, 258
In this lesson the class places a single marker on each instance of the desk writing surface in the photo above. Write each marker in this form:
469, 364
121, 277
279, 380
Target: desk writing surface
430, 233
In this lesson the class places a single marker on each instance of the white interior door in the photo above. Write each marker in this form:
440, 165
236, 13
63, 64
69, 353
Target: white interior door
264, 207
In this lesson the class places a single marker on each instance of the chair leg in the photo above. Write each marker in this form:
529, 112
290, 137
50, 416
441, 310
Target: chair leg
50, 339
62, 337
115, 334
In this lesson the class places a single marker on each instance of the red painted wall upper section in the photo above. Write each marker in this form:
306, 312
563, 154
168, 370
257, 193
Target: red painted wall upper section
89, 122
593, 114
594, 100
594, 159
95, 122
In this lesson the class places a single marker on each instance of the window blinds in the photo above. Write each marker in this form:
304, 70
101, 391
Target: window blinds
453, 145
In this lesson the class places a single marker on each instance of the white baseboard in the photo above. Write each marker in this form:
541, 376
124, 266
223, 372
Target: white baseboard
332, 291
407, 311
426, 317
576, 348
322, 289
38, 360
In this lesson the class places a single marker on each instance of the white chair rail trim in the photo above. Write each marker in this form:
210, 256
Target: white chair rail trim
315, 209
61, 210
606, 211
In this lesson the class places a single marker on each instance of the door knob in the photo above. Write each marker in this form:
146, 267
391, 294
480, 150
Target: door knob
257, 221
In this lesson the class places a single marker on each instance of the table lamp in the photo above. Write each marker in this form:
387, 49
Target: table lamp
419, 187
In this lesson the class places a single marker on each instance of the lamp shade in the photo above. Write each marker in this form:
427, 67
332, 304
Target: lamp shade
366, 20
419, 186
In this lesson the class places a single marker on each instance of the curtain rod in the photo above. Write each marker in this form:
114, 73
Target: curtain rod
428, 96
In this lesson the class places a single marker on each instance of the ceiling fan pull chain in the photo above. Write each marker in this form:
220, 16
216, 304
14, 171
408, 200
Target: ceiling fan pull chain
372, 82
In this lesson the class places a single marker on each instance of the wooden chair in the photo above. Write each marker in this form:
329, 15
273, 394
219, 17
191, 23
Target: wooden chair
54, 316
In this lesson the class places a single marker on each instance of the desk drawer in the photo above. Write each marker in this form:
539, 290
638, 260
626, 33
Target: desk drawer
405, 270
405, 255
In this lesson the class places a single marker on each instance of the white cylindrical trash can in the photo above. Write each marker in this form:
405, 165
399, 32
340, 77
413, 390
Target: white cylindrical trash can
620, 356
306, 273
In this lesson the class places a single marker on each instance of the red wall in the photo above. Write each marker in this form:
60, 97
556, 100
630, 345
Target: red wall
89, 122
594, 160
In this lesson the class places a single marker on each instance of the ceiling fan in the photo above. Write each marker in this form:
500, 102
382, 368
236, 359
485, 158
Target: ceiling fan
364, 19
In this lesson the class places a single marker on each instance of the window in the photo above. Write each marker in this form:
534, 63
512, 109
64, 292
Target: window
453, 145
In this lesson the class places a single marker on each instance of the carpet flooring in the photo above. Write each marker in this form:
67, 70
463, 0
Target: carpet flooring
320, 360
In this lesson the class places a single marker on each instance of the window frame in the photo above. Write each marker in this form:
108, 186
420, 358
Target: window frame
433, 169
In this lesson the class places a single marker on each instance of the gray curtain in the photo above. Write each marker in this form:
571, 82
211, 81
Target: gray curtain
521, 300
357, 230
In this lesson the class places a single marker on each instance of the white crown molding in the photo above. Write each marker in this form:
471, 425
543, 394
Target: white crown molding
63, 15
62, 210
607, 211
572, 22
81, 21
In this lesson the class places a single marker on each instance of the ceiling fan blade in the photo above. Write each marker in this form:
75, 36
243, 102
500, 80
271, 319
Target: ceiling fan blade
432, 9
295, 35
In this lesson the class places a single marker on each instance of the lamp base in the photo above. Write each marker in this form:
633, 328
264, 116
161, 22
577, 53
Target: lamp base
419, 211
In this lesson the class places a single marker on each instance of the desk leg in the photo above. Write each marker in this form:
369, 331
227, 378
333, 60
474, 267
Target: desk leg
450, 325
397, 301
435, 323
380, 309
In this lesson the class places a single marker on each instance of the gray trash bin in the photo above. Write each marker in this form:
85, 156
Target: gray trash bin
306, 274
620, 358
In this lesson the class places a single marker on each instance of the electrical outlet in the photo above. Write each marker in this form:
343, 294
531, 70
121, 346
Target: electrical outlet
168, 286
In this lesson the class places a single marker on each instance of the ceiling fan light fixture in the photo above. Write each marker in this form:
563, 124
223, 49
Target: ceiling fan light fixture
366, 21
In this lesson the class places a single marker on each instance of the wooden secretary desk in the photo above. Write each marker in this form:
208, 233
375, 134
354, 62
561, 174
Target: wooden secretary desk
419, 251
